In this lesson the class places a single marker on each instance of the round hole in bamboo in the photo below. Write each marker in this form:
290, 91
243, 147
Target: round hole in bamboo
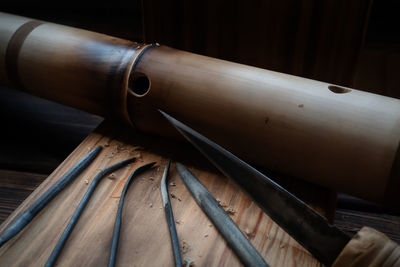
139, 84
338, 89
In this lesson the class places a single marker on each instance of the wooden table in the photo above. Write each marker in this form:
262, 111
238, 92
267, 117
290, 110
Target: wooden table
145, 237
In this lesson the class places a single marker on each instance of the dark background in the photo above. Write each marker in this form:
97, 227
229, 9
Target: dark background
353, 43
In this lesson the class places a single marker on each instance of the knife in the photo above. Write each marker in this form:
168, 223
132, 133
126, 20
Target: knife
324, 241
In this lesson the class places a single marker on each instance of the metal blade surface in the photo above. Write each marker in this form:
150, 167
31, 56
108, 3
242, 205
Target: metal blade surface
310, 229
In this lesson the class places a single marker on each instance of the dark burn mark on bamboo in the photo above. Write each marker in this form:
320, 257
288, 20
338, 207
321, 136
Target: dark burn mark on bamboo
115, 77
13, 49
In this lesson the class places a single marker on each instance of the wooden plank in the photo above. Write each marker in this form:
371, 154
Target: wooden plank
14, 188
144, 235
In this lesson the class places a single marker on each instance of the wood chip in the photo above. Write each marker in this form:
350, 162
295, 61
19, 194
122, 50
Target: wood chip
185, 247
230, 211
221, 203
172, 184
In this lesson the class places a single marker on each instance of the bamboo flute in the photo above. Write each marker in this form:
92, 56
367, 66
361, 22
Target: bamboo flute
334, 136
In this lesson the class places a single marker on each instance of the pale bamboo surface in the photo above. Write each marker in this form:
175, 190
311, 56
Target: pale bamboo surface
369, 248
334, 136
144, 235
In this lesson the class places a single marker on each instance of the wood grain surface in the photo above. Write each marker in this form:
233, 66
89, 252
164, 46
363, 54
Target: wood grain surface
15, 186
144, 235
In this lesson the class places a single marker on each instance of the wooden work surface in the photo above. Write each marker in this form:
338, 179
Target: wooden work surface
144, 236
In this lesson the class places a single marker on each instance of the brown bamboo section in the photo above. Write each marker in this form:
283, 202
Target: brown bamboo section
333, 136
83, 69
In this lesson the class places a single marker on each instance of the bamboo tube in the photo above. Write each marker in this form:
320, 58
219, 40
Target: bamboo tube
330, 135
333, 136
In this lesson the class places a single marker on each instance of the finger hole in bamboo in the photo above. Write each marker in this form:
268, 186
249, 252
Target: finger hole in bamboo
139, 84
338, 90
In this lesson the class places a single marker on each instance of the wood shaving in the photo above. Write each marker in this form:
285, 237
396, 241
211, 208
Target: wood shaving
249, 233
185, 247
221, 203
230, 211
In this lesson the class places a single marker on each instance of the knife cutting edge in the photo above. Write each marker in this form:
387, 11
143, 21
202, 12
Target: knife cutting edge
323, 240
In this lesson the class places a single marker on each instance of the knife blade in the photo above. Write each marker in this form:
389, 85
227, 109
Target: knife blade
323, 240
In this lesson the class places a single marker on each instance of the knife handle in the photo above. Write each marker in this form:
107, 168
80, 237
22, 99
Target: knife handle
369, 248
